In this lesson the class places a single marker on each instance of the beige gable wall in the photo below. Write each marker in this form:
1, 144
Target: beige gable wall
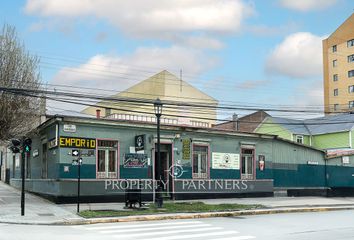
168, 88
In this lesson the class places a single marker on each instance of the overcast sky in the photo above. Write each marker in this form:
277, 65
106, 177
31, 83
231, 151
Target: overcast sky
245, 52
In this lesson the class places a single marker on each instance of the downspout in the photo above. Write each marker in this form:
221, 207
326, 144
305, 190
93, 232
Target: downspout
326, 179
350, 138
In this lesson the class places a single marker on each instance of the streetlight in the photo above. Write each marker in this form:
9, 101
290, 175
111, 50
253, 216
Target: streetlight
158, 113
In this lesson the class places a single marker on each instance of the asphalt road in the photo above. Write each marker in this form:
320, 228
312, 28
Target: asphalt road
338, 225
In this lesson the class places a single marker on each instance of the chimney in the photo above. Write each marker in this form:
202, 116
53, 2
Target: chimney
235, 121
98, 113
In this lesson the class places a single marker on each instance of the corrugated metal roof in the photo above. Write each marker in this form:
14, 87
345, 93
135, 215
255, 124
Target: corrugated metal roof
330, 124
322, 125
292, 125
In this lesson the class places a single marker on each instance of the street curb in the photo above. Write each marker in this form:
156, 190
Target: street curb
214, 214
176, 216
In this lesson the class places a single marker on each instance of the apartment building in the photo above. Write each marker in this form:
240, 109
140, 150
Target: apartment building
338, 69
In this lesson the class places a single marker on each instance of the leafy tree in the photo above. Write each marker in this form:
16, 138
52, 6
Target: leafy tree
19, 114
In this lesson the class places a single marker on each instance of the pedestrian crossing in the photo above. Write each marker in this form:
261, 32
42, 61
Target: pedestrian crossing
165, 230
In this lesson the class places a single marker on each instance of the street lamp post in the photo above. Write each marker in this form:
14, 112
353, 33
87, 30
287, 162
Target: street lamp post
158, 113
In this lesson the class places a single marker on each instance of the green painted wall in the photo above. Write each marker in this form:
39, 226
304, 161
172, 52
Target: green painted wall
269, 127
290, 165
331, 140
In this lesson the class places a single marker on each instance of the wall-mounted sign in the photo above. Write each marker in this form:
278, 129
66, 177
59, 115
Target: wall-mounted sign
69, 128
35, 153
87, 152
135, 160
52, 143
139, 142
75, 142
186, 149
312, 163
345, 159
225, 160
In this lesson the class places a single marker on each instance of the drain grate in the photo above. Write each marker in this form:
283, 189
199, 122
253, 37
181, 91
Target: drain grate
45, 214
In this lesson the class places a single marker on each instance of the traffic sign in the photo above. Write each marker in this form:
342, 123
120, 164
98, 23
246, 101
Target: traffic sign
75, 152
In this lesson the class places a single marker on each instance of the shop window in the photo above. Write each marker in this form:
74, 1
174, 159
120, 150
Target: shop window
107, 159
200, 161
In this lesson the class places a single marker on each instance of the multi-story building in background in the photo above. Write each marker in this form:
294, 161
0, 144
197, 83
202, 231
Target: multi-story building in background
338, 69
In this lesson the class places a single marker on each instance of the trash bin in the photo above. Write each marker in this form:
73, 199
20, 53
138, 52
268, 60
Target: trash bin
133, 197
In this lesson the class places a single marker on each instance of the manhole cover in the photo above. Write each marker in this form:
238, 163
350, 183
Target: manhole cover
45, 214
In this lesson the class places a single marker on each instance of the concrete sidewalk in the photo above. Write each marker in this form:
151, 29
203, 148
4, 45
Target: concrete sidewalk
37, 210
41, 211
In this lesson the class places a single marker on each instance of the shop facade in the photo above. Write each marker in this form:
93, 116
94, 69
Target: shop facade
195, 162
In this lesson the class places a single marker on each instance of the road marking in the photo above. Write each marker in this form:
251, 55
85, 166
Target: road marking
137, 225
167, 232
237, 238
157, 228
189, 236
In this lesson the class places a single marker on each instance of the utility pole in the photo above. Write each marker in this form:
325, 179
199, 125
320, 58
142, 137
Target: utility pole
23, 159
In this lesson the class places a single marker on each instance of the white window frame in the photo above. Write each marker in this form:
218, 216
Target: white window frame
199, 174
299, 139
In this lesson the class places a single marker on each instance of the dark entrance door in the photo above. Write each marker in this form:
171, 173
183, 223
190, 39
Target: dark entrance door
166, 163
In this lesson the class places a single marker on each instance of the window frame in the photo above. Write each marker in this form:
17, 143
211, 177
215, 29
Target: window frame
117, 149
254, 169
350, 73
350, 58
350, 43
336, 107
335, 92
351, 104
299, 137
335, 77
335, 63
352, 88
207, 161
334, 48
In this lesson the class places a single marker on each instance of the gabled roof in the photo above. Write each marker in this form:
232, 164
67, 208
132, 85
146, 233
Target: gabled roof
166, 86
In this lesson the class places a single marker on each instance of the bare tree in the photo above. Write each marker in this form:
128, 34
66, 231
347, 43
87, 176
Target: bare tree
18, 69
